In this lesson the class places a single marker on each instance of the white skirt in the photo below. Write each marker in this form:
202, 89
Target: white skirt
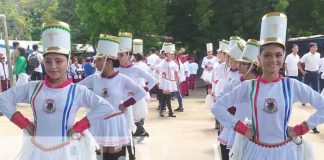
130, 119
112, 132
140, 110
255, 151
224, 137
207, 76
22, 79
82, 149
217, 88
167, 85
209, 101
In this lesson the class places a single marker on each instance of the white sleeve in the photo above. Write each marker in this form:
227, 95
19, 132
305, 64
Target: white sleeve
99, 107
18, 94
88, 81
130, 85
151, 82
235, 96
303, 93
40, 57
302, 60
287, 59
203, 63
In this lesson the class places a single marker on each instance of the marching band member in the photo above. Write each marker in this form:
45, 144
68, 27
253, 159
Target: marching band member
231, 81
55, 103
270, 98
207, 65
138, 73
112, 133
169, 71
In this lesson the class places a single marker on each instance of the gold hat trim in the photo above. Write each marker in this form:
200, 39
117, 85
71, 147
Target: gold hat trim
55, 23
59, 50
137, 42
272, 40
248, 60
122, 50
125, 34
101, 55
235, 38
109, 38
274, 14
253, 42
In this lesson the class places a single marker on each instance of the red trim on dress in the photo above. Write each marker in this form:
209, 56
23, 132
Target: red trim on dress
256, 110
49, 85
259, 78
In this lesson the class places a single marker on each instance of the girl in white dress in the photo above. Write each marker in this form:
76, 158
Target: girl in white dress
112, 133
169, 71
55, 103
270, 98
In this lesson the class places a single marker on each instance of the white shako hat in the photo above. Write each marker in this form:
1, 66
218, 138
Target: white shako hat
56, 37
223, 45
273, 28
251, 52
237, 50
108, 46
138, 46
168, 48
125, 41
231, 43
209, 47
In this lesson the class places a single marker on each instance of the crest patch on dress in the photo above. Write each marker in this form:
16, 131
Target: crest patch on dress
104, 93
49, 106
270, 105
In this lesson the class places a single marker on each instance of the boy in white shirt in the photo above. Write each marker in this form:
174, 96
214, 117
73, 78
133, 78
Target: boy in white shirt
291, 63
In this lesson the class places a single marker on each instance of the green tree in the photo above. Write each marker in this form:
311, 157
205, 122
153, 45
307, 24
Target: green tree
19, 26
144, 18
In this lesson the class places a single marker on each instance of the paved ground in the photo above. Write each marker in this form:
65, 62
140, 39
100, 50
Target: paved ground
189, 136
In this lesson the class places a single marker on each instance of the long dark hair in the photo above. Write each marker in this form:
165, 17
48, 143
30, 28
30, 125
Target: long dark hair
22, 52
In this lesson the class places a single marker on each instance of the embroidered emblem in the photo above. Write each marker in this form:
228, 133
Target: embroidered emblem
270, 105
276, 28
104, 93
49, 106
51, 35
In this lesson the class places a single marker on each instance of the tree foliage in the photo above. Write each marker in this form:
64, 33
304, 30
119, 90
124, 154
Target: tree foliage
192, 23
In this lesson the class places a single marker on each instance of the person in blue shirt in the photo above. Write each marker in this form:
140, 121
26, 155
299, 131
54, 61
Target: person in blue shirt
88, 68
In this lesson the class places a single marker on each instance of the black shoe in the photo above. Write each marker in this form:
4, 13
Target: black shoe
179, 110
136, 134
315, 131
131, 157
145, 134
161, 114
1, 114
303, 104
172, 115
187, 94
